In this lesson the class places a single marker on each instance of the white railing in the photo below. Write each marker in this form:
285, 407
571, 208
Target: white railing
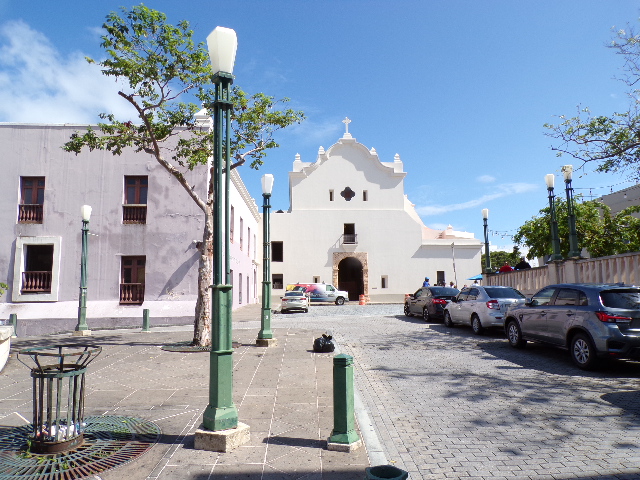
623, 268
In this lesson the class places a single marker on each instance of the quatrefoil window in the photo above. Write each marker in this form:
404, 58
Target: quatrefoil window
348, 194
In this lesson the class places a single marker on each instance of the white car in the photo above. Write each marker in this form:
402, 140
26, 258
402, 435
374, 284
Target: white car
295, 301
481, 307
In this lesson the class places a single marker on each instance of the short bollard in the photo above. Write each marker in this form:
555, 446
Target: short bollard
13, 320
344, 437
385, 472
145, 320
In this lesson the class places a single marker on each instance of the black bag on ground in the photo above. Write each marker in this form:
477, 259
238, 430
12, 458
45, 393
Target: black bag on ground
324, 344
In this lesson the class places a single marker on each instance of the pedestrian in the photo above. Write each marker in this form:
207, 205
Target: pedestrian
451, 285
505, 268
522, 265
426, 282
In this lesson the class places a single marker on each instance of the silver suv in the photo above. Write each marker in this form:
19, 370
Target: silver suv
590, 320
481, 307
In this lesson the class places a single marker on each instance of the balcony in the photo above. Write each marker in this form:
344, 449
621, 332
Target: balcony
30, 213
36, 282
350, 239
131, 293
132, 214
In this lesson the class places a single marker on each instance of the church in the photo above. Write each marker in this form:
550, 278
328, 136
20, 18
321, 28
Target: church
351, 225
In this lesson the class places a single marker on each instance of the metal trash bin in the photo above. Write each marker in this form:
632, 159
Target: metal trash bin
58, 395
380, 472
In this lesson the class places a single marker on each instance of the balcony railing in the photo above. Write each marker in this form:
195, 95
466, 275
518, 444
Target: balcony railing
134, 214
36, 282
30, 213
350, 238
132, 293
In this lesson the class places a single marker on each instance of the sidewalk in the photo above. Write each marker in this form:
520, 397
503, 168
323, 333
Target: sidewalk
283, 393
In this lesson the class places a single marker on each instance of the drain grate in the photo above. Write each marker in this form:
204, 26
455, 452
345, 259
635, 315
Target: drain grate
109, 441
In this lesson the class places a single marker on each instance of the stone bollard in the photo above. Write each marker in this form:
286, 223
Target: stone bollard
145, 320
344, 437
13, 320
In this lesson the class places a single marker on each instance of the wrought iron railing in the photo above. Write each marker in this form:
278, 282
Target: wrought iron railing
30, 213
350, 238
36, 282
134, 213
132, 293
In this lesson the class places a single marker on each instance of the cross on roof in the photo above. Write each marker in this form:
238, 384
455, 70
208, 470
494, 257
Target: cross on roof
346, 122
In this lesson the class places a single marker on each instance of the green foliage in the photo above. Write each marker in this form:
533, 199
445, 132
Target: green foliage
161, 64
498, 258
612, 142
600, 232
3, 288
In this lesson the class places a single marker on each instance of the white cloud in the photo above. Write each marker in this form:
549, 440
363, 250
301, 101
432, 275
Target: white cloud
39, 85
503, 190
486, 179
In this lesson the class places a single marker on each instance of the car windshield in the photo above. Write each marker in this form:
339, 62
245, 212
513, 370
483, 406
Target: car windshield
294, 294
503, 292
629, 299
444, 291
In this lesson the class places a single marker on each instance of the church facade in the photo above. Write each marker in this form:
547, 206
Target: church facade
350, 224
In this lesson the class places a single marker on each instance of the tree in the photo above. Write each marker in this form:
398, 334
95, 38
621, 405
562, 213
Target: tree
612, 142
498, 257
162, 65
600, 232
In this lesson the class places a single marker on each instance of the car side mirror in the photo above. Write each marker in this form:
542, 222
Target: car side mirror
530, 302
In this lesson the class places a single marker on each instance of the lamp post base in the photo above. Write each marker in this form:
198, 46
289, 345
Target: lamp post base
82, 333
221, 440
266, 342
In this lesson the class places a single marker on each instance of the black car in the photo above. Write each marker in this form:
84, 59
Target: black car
590, 320
429, 302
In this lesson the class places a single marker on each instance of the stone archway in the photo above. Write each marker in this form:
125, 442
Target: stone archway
358, 259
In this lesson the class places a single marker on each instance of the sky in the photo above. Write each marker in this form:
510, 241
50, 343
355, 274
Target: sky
460, 89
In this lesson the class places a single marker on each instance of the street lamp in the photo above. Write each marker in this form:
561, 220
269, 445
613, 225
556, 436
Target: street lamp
82, 329
221, 413
265, 336
555, 242
574, 251
487, 258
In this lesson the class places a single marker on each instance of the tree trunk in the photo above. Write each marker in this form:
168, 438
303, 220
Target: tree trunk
202, 322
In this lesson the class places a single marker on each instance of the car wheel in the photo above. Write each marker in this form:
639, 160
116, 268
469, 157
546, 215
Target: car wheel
407, 312
425, 315
447, 320
514, 334
478, 329
339, 301
583, 352
306, 310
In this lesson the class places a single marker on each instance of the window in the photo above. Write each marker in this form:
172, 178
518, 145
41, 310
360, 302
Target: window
231, 277
241, 231
231, 224
440, 277
331, 195
349, 234
36, 269
365, 196
30, 209
132, 280
248, 296
567, 296
248, 245
134, 209
240, 288
316, 279
277, 253
543, 297
384, 281
254, 246
276, 281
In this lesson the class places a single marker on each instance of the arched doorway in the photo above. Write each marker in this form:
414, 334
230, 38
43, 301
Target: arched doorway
350, 277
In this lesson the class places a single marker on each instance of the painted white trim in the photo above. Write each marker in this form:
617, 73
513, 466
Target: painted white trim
18, 268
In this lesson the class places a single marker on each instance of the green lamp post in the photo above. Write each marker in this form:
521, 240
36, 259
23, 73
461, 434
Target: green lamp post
574, 250
221, 413
82, 328
265, 336
555, 241
487, 257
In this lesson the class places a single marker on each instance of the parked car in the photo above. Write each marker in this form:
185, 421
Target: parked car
297, 300
481, 307
429, 302
321, 292
590, 320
